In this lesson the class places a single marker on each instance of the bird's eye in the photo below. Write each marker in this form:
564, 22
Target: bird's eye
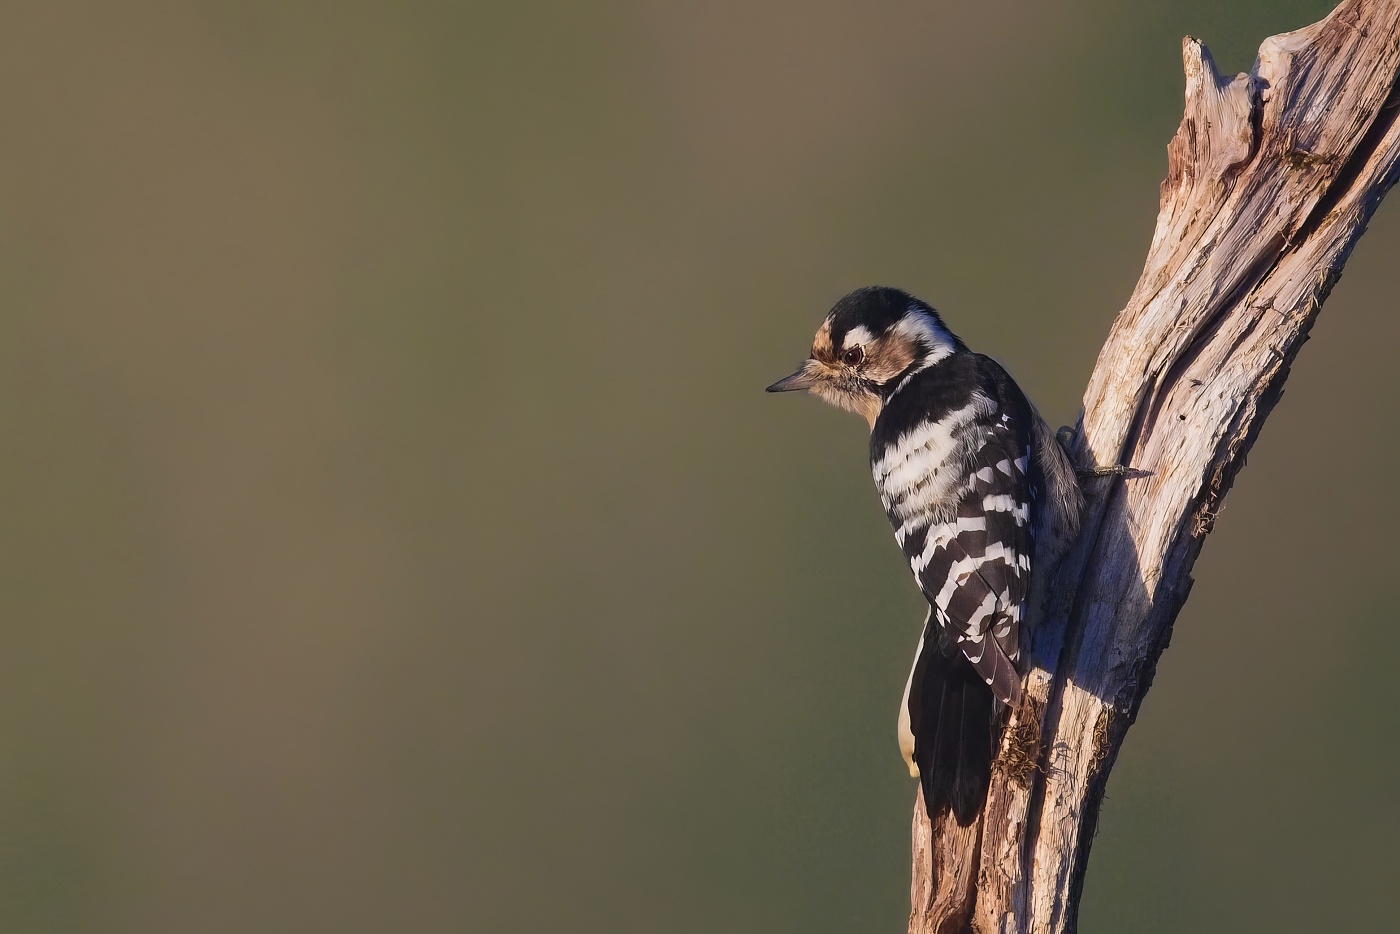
854, 356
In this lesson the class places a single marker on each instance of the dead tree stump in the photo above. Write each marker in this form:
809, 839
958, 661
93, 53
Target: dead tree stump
1271, 178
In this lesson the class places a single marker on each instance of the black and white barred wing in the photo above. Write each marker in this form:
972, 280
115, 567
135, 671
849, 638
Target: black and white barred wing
974, 566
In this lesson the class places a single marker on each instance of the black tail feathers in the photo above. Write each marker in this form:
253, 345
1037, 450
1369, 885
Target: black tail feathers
953, 716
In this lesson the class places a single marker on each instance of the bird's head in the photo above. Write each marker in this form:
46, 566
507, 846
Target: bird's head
870, 340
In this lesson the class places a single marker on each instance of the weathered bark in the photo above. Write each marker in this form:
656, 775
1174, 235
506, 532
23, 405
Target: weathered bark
1271, 179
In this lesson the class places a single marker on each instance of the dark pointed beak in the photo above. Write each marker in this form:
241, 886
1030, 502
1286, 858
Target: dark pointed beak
802, 379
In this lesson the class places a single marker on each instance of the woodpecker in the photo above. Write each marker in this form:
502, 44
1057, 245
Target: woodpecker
970, 477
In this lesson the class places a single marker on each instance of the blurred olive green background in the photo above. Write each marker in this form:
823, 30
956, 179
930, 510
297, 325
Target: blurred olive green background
397, 537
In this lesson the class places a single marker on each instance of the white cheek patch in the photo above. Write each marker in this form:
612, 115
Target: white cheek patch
920, 326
